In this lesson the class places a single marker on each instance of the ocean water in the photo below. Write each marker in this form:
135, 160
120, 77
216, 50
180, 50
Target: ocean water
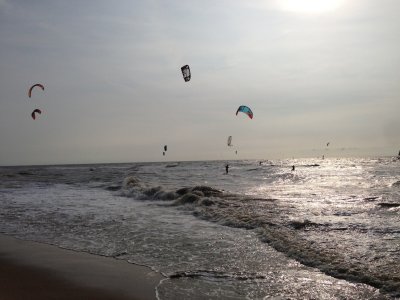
328, 230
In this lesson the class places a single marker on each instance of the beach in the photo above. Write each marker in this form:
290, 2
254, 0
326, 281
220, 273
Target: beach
31, 270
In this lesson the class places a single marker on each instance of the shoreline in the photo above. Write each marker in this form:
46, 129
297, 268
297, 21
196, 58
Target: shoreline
32, 270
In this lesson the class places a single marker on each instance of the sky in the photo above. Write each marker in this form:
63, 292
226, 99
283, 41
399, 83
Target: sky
312, 71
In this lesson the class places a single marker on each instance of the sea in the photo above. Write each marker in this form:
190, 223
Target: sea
330, 229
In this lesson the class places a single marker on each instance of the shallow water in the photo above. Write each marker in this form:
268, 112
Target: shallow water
328, 230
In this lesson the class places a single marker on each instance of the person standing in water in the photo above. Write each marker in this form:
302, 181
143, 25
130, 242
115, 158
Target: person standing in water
293, 168
227, 168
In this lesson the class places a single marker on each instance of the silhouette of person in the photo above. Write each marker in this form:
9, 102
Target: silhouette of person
227, 168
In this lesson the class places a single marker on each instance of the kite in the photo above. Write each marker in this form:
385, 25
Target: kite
230, 141
186, 72
35, 111
31, 88
246, 110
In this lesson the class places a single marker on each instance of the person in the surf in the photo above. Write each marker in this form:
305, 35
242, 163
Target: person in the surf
293, 168
227, 168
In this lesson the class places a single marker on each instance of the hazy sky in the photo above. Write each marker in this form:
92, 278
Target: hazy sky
312, 71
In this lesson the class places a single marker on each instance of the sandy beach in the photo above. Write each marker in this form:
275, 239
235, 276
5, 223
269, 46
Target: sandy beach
30, 270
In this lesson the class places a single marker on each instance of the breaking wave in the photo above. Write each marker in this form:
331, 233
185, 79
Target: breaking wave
396, 184
273, 227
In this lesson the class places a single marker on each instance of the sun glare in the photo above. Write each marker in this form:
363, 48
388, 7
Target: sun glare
310, 6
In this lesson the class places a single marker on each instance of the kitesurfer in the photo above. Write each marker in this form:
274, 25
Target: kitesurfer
227, 168
293, 168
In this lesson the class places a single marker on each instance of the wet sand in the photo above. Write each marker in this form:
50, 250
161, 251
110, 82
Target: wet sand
30, 270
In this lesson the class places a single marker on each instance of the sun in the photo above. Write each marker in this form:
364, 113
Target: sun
310, 6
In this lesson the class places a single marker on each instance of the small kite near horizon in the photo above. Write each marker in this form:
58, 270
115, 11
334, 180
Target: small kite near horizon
229, 141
